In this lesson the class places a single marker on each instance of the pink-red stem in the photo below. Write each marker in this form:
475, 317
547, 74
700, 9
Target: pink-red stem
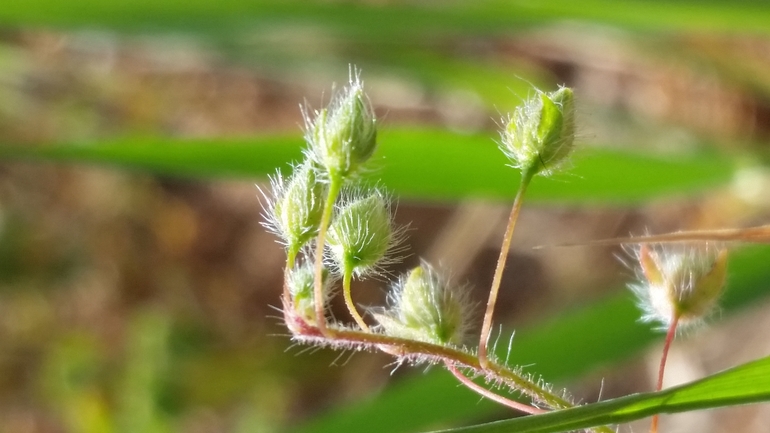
662, 369
489, 394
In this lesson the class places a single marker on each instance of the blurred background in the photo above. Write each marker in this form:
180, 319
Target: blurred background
139, 301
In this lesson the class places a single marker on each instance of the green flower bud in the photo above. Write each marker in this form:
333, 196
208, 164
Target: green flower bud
362, 233
540, 135
680, 280
425, 308
301, 283
297, 209
344, 136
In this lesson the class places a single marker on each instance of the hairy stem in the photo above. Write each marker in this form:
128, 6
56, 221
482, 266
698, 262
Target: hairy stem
335, 184
662, 369
291, 256
487, 325
513, 404
347, 275
407, 349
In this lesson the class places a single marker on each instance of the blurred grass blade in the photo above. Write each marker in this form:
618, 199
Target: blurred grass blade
581, 336
415, 164
748, 383
367, 21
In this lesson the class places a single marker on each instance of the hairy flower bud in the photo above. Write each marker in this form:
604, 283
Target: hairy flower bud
343, 136
301, 282
297, 208
540, 134
680, 280
425, 308
362, 233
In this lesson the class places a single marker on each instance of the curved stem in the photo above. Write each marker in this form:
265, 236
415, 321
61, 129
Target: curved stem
504, 249
513, 404
346, 277
662, 369
335, 184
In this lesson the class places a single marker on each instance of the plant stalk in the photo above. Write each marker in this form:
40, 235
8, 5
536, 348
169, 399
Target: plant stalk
347, 275
513, 404
504, 249
291, 257
335, 184
662, 369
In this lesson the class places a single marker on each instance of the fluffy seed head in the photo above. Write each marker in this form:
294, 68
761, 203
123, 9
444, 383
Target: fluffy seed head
680, 279
343, 136
540, 134
424, 307
362, 233
296, 210
301, 284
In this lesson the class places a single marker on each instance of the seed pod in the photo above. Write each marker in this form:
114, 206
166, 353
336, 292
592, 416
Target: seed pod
683, 281
424, 307
343, 136
540, 134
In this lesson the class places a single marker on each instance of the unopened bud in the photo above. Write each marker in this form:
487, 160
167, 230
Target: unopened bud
301, 284
362, 233
298, 207
425, 308
343, 136
540, 134
683, 281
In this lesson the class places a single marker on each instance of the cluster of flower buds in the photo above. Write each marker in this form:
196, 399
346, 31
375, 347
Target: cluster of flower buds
321, 213
344, 230
321, 200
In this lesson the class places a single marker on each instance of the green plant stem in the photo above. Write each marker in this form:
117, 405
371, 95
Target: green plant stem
513, 404
347, 276
291, 257
335, 184
504, 249
423, 351
662, 369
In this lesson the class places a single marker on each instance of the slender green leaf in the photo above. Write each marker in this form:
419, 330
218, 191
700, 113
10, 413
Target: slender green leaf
748, 383
415, 164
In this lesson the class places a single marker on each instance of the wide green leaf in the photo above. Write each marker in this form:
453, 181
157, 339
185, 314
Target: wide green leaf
415, 164
365, 20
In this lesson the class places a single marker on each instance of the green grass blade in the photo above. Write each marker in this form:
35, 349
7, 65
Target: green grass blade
376, 20
415, 164
748, 383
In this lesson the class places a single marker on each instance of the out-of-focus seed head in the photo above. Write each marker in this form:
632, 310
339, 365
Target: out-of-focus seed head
296, 209
301, 284
680, 280
424, 307
362, 234
540, 135
343, 136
